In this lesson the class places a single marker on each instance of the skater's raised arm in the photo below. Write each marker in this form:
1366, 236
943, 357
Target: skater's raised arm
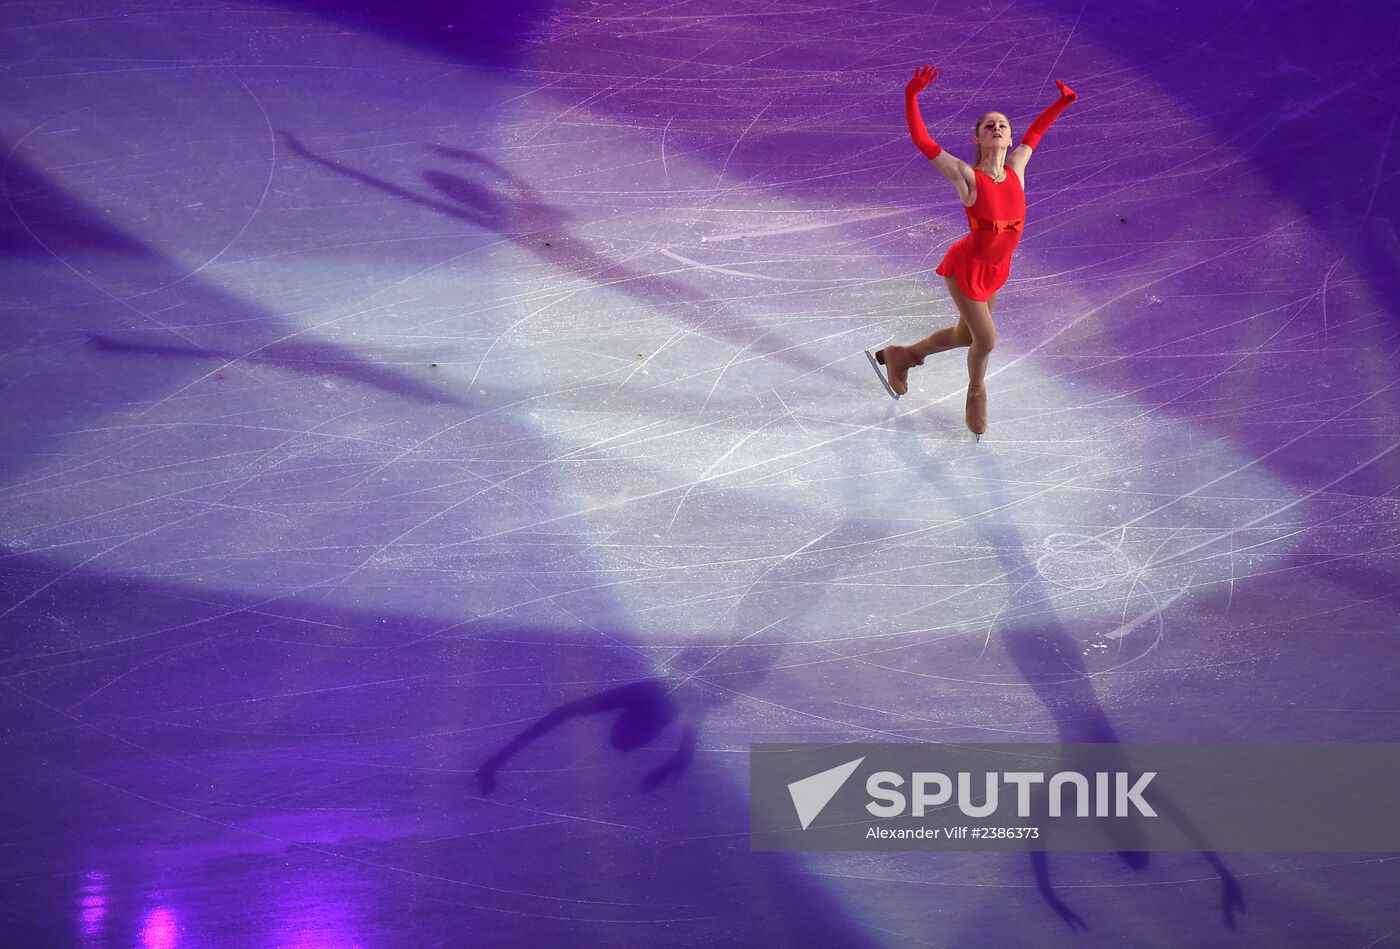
917, 130
947, 165
1042, 124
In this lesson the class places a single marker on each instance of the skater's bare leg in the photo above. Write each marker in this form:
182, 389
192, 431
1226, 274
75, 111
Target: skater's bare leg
952, 337
976, 318
900, 359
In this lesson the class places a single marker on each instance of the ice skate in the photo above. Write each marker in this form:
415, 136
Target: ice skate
897, 361
976, 413
877, 360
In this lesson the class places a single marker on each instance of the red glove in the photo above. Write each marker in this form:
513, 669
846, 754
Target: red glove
917, 130
1042, 124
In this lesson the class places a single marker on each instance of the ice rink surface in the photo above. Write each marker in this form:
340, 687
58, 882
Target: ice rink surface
437, 443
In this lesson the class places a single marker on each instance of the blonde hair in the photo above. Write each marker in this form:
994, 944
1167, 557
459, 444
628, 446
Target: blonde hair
976, 130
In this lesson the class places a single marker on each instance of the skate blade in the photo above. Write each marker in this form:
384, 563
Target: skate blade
880, 375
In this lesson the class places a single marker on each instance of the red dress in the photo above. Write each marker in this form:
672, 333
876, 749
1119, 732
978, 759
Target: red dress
981, 261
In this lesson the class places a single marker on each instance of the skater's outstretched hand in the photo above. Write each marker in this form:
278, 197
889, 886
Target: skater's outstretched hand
1066, 91
922, 77
663, 773
673, 767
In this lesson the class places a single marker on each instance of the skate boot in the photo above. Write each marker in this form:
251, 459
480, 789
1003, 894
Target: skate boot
976, 413
898, 360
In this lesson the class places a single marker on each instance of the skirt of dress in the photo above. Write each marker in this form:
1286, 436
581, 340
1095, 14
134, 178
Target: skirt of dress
977, 279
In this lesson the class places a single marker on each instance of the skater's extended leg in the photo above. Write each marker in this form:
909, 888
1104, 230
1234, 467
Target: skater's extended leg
951, 337
898, 360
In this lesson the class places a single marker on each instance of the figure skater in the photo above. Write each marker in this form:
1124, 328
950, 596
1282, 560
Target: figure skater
992, 192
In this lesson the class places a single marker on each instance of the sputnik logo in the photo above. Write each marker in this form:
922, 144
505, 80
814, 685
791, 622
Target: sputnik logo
811, 794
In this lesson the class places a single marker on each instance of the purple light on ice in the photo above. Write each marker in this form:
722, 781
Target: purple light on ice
311, 939
160, 929
316, 916
93, 904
